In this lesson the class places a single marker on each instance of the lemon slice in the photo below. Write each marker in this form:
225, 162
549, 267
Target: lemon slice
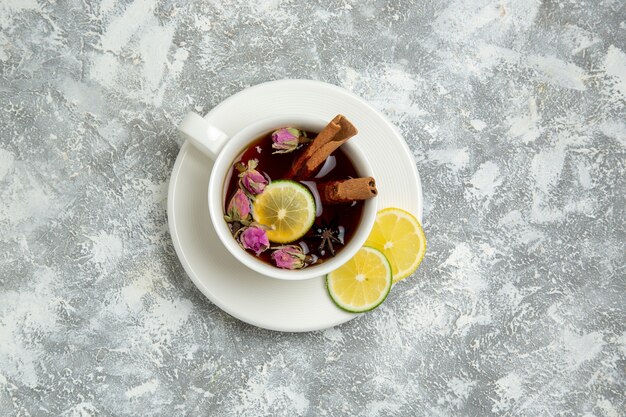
362, 283
400, 237
287, 208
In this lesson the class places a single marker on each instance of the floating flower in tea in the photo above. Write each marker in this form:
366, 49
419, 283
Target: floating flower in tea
287, 139
252, 180
238, 209
254, 238
289, 257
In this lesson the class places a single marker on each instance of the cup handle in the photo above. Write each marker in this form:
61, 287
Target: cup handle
203, 135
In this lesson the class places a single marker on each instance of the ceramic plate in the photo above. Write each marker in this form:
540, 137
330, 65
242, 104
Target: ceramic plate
290, 306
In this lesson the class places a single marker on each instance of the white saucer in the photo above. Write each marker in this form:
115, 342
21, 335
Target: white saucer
290, 306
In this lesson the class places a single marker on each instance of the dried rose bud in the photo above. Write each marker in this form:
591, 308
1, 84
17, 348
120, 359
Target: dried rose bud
255, 239
289, 257
238, 208
251, 179
287, 139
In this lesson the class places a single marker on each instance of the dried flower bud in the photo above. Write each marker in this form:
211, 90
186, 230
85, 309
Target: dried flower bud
255, 239
289, 257
287, 139
239, 207
252, 180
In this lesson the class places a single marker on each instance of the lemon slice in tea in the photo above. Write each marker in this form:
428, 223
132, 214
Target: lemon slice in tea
287, 208
400, 237
362, 283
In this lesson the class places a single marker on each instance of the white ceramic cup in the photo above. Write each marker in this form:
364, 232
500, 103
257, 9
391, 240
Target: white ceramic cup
223, 149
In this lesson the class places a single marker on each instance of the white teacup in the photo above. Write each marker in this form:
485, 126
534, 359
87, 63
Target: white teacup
223, 149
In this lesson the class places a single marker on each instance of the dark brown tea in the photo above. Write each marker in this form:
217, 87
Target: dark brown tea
334, 224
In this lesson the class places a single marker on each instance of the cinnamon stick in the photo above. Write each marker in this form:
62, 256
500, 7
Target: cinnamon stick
315, 153
347, 191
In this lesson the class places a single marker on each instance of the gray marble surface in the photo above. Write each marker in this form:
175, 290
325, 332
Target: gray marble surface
514, 110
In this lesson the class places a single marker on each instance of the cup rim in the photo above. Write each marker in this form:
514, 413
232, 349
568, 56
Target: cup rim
216, 197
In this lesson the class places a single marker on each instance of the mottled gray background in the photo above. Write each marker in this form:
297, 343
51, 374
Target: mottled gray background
515, 112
